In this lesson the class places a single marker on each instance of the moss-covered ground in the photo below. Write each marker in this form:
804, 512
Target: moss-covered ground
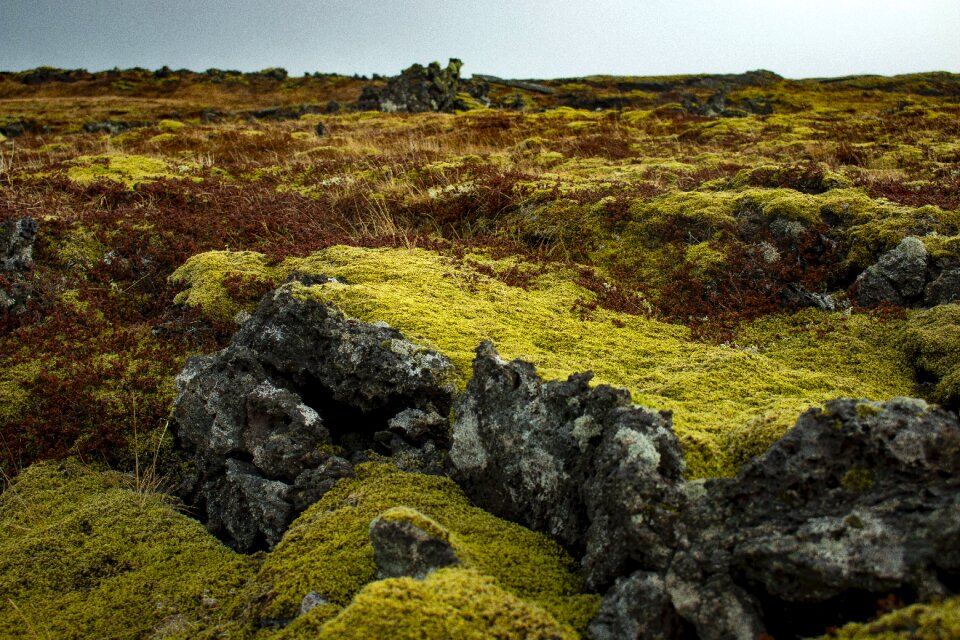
89, 554
622, 225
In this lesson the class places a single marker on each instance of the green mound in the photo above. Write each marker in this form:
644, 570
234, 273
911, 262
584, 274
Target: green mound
125, 169
508, 570
83, 557
932, 340
729, 401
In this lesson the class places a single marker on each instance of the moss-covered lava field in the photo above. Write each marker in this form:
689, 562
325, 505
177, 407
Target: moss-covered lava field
698, 240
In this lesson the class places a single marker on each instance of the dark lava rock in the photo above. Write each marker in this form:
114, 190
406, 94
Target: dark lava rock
276, 418
899, 277
576, 462
944, 289
637, 607
407, 543
419, 88
16, 260
859, 501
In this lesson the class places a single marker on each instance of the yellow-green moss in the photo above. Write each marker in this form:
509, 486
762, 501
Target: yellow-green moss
171, 126
417, 519
205, 274
126, 169
82, 557
931, 340
162, 138
778, 367
458, 604
328, 549
936, 621
857, 479
14, 397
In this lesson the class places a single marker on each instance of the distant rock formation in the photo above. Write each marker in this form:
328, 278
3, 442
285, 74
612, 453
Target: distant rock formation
420, 88
299, 397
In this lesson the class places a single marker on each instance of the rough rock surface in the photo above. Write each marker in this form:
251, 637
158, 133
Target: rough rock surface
16, 260
899, 277
420, 88
300, 395
407, 543
576, 462
858, 501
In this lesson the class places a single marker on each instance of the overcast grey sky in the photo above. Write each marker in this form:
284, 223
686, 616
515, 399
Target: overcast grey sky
513, 38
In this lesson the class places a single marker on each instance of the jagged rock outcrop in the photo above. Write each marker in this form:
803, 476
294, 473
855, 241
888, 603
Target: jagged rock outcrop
16, 261
576, 462
857, 502
301, 394
420, 88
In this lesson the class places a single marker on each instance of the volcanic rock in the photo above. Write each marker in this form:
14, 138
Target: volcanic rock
898, 277
276, 418
420, 88
859, 501
576, 462
16, 260
408, 543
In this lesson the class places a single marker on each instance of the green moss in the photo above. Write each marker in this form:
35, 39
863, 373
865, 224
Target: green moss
328, 549
82, 557
170, 126
54, 147
205, 274
78, 250
931, 339
126, 169
934, 621
857, 479
450, 603
162, 138
14, 397
777, 368
417, 519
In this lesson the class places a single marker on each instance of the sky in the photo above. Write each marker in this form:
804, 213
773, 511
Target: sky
515, 38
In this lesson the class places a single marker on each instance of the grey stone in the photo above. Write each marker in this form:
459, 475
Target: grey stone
637, 607
944, 289
16, 260
576, 462
857, 501
310, 602
402, 548
899, 277
291, 404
